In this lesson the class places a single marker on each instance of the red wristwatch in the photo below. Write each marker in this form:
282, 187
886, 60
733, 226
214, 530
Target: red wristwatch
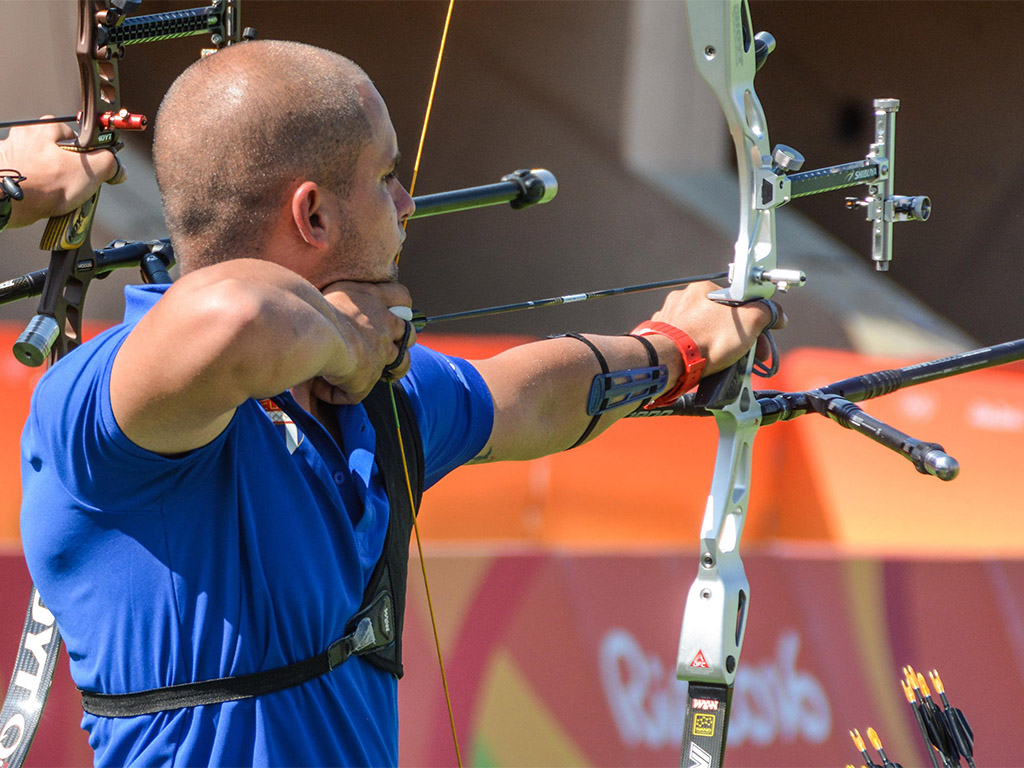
693, 361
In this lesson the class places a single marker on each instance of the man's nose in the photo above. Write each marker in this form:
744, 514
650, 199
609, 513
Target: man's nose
404, 203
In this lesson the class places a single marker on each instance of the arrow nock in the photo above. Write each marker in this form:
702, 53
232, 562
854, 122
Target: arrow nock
923, 685
858, 740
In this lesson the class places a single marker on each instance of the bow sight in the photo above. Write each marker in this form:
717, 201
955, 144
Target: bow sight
779, 182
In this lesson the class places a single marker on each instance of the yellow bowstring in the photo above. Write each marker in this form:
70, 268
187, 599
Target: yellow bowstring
430, 105
430, 98
423, 568
394, 405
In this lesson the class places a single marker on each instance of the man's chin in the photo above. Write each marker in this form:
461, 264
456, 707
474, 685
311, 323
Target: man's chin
388, 275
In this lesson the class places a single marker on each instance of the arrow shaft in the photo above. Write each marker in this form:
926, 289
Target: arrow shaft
570, 298
39, 121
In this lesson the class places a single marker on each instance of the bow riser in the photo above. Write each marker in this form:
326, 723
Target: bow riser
99, 76
723, 48
714, 620
56, 327
103, 31
715, 617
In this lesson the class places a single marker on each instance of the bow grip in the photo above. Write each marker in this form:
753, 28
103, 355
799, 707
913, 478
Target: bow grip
720, 388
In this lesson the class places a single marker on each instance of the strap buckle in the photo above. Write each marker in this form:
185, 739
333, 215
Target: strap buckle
374, 628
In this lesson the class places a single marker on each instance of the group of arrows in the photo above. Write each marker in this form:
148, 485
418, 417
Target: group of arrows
947, 734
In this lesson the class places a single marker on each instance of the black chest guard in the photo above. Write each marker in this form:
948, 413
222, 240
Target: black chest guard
390, 575
374, 632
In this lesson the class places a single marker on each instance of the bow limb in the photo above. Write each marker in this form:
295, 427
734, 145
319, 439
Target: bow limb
716, 607
724, 50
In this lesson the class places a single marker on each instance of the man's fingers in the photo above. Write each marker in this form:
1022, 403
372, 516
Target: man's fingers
776, 315
104, 164
56, 131
328, 393
120, 175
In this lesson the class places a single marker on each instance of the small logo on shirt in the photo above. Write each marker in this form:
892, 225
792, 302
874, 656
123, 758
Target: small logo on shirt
286, 427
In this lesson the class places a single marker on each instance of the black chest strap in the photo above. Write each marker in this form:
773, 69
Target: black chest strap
374, 632
391, 573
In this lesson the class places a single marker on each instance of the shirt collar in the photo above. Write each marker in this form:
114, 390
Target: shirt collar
139, 299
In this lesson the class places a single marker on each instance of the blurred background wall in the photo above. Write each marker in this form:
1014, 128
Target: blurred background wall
604, 95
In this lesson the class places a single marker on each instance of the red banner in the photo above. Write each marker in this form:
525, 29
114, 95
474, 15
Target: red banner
568, 659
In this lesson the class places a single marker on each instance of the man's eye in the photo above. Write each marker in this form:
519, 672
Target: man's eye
390, 176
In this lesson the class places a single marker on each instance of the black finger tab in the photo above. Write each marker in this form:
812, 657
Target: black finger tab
402, 349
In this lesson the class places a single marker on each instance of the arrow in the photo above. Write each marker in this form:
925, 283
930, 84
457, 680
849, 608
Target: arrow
858, 742
877, 744
956, 722
909, 693
933, 720
39, 121
421, 321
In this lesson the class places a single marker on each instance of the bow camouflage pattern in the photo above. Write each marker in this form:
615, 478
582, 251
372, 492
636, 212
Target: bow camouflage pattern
103, 30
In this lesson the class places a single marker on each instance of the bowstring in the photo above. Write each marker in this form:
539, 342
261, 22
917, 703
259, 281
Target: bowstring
423, 569
430, 105
394, 405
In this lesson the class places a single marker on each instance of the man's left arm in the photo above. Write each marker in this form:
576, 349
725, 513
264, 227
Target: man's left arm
56, 180
540, 390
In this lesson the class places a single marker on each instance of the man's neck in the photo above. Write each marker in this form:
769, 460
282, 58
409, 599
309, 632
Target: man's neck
323, 412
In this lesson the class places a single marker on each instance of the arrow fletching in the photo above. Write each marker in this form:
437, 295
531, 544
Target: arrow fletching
956, 721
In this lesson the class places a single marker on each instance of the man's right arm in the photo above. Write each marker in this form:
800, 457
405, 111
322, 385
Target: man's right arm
244, 329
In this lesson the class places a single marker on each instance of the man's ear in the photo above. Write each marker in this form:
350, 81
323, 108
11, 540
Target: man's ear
307, 216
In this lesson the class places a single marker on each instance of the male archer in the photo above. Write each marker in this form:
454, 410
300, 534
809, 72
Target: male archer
209, 569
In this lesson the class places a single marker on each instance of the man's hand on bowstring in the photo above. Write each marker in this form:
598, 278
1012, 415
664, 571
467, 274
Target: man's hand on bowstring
723, 333
378, 341
56, 180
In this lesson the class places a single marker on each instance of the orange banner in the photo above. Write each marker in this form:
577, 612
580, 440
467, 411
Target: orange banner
568, 659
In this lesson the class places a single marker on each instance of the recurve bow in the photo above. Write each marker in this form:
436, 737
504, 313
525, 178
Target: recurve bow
727, 56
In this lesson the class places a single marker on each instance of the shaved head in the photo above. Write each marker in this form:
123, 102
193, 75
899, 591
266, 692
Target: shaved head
238, 128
